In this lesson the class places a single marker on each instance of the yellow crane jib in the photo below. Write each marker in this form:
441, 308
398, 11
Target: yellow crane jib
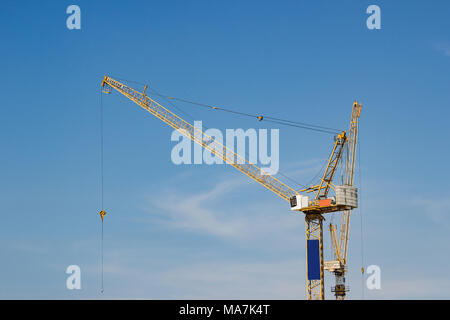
209, 143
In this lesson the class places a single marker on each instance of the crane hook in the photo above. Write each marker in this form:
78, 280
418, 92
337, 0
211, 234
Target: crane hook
102, 214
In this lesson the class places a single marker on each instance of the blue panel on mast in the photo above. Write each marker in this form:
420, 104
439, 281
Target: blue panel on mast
312, 247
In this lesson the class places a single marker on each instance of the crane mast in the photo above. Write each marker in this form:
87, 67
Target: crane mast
315, 289
340, 248
299, 200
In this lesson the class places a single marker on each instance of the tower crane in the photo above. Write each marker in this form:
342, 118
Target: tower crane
314, 207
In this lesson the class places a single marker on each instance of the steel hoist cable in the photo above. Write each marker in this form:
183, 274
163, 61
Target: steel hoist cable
102, 213
361, 219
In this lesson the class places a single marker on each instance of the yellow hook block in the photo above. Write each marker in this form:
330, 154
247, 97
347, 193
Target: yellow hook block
102, 214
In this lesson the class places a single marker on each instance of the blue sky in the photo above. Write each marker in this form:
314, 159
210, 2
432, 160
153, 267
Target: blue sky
207, 231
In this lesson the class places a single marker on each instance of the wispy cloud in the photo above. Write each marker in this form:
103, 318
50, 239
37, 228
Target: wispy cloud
443, 47
255, 280
437, 209
214, 279
201, 211
411, 287
222, 212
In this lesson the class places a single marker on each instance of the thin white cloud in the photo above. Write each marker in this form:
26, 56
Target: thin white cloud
412, 288
222, 212
201, 211
212, 212
239, 280
437, 209
444, 48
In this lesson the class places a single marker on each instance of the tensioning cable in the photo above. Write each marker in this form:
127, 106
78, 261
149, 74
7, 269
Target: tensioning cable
285, 122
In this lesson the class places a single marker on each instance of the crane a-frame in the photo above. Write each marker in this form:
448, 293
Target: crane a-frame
314, 207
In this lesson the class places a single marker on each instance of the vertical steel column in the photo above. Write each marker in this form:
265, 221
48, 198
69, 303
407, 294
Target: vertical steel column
314, 231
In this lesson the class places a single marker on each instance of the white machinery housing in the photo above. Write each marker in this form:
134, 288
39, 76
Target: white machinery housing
299, 202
